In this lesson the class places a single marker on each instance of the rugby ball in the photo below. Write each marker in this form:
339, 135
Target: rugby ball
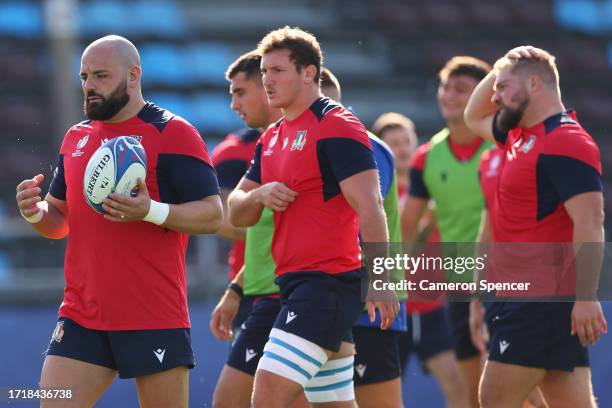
114, 168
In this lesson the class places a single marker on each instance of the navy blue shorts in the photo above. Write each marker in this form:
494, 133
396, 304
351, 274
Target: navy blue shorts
133, 353
246, 304
320, 307
428, 335
459, 322
249, 344
377, 357
536, 335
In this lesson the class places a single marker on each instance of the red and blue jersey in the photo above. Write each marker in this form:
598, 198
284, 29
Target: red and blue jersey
231, 159
131, 276
544, 166
488, 172
312, 154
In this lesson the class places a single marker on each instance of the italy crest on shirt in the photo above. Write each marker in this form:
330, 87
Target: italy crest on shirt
299, 141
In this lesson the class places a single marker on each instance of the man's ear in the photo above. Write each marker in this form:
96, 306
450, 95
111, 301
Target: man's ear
310, 73
534, 83
134, 75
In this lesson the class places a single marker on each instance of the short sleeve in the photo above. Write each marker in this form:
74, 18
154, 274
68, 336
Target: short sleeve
184, 139
229, 172
417, 183
184, 168
385, 163
345, 146
58, 184
188, 179
571, 163
254, 172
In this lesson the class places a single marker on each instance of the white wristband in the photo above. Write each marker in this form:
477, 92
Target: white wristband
33, 219
158, 213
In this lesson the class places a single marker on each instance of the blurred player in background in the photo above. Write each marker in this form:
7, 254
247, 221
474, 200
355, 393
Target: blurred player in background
428, 335
446, 170
399, 133
233, 155
125, 302
549, 191
316, 170
377, 362
255, 280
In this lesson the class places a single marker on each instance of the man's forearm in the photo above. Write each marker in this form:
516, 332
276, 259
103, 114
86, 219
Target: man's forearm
196, 217
480, 105
239, 278
588, 241
54, 223
244, 208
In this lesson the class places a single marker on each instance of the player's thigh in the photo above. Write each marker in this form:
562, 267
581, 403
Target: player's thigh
234, 389
507, 385
377, 374
443, 366
86, 382
385, 394
568, 389
272, 390
168, 388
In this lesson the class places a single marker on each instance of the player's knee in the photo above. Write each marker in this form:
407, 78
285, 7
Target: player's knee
334, 382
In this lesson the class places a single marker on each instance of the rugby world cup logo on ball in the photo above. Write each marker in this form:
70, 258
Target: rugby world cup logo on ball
114, 168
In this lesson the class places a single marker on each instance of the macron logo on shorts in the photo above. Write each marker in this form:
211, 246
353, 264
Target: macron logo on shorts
361, 368
250, 353
290, 316
159, 353
503, 345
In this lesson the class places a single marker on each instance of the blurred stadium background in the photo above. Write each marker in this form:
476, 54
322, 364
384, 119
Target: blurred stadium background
385, 52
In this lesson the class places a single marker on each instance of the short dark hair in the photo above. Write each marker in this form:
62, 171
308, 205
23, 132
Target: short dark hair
465, 65
249, 63
303, 47
329, 80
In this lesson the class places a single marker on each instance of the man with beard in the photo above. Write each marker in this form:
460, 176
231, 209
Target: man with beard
125, 303
549, 191
445, 170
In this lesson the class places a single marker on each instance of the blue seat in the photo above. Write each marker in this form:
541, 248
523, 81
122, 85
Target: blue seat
208, 62
100, 17
157, 17
21, 19
213, 113
175, 103
589, 16
163, 64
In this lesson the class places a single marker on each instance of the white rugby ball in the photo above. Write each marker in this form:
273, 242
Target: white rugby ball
114, 167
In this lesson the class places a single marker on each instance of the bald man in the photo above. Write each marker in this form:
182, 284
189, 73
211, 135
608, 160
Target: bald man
125, 303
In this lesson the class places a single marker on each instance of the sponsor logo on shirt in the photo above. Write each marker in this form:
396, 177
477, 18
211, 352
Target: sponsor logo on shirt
80, 145
528, 145
273, 141
299, 141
